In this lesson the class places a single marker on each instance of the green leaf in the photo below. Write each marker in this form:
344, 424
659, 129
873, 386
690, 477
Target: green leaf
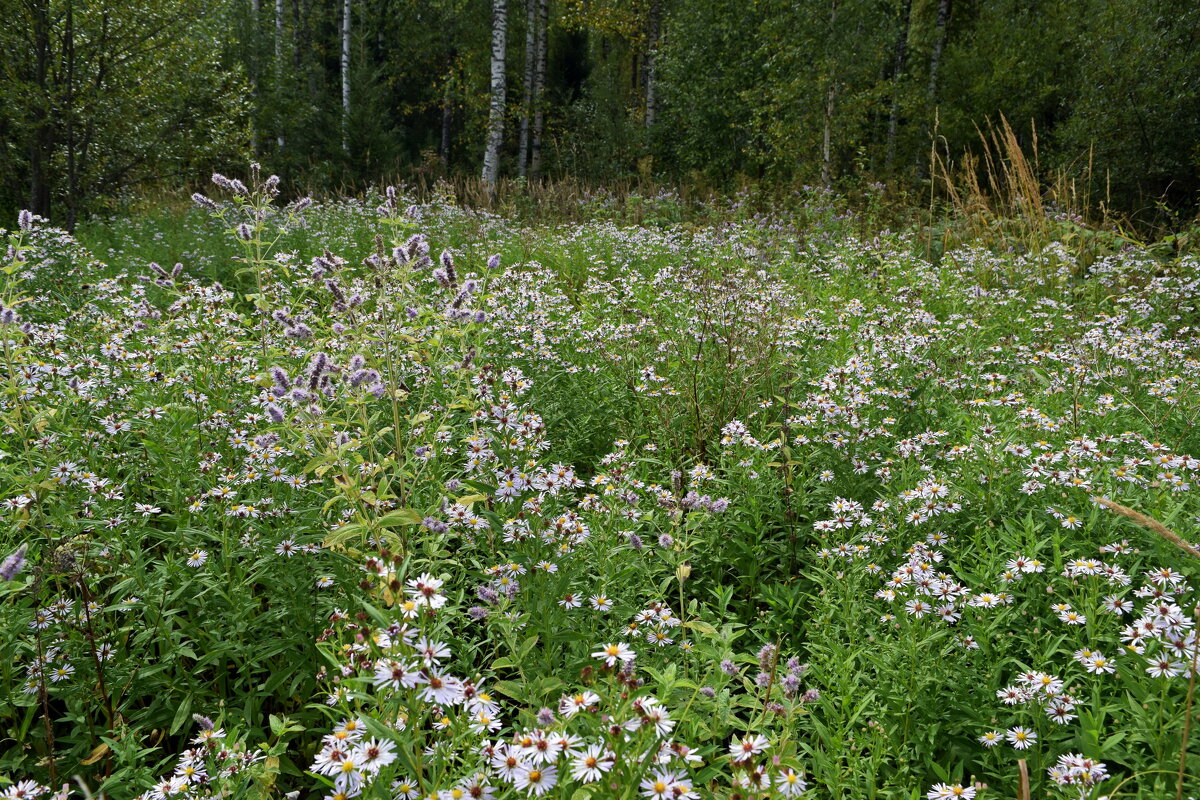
550, 684
513, 689
401, 516
344, 534
527, 646
182, 715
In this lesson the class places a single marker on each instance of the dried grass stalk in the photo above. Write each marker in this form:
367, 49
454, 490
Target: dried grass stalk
1150, 524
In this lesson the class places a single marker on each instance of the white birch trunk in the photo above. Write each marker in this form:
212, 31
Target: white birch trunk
830, 96
346, 76
447, 113
652, 62
255, 15
495, 129
899, 62
539, 87
527, 97
278, 61
939, 42
827, 138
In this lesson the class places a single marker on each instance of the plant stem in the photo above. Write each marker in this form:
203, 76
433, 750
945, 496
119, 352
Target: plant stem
1187, 713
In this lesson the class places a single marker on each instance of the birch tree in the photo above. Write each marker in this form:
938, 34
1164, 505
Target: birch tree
831, 89
41, 136
255, 94
539, 87
939, 43
653, 31
531, 41
278, 66
447, 116
899, 63
495, 128
346, 76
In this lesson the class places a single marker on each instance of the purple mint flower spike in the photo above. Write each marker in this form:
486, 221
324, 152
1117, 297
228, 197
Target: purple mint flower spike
13, 565
204, 202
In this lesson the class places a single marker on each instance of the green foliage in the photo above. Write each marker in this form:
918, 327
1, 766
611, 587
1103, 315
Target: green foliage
709, 61
103, 101
1133, 111
106, 98
831, 493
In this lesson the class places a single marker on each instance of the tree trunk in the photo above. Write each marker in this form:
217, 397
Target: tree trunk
830, 96
447, 116
99, 81
278, 35
539, 87
310, 73
495, 128
939, 42
899, 62
527, 96
827, 137
652, 35
297, 38
68, 76
346, 76
42, 135
255, 16
935, 61
278, 71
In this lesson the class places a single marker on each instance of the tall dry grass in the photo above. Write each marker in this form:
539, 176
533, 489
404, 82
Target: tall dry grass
1001, 194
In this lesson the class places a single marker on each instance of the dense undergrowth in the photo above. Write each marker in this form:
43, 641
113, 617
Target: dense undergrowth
392, 500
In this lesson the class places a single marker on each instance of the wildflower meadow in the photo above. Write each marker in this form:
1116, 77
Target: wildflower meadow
395, 499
